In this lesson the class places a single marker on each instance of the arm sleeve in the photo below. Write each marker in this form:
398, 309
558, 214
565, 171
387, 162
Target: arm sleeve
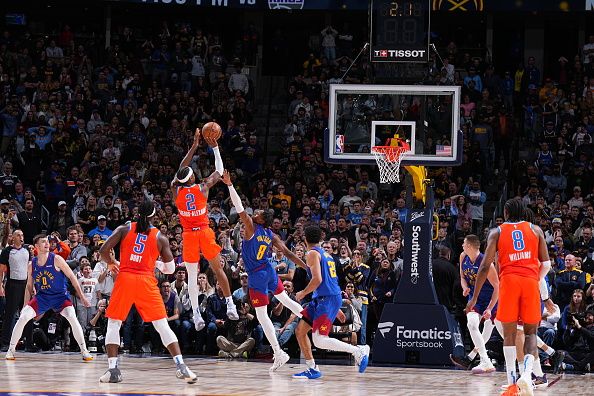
166, 268
236, 200
219, 167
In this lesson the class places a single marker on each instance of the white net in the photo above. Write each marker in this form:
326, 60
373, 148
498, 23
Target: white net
388, 160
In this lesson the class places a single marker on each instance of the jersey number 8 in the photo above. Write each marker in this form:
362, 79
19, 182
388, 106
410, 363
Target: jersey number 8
518, 240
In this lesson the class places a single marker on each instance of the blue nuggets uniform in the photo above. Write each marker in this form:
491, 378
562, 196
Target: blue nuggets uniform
326, 302
262, 278
51, 287
470, 271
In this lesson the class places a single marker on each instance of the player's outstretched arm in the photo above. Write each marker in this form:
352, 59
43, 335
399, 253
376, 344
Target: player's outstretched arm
279, 244
187, 160
62, 266
245, 218
483, 270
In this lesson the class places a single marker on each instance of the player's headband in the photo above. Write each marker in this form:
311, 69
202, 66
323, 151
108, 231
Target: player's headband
185, 179
153, 212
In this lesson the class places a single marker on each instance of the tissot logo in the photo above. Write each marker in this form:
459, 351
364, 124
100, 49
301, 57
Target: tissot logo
286, 4
402, 54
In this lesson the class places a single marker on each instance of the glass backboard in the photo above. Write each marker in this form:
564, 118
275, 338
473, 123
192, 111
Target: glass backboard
362, 116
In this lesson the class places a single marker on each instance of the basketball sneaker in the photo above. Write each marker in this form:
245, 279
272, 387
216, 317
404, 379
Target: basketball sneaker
86, 355
112, 375
461, 361
9, 354
308, 374
183, 372
280, 358
198, 321
525, 385
540, 382
232, 312
362, 357
484, 367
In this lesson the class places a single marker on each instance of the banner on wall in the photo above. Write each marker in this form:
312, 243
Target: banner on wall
362, 5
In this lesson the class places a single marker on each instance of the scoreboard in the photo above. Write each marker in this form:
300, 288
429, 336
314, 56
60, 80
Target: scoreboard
399, 30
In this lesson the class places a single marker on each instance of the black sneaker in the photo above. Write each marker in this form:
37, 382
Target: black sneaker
461, 361
557, 361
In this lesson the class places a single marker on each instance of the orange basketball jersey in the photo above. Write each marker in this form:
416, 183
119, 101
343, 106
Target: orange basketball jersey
191, 207
139, 252
518, 250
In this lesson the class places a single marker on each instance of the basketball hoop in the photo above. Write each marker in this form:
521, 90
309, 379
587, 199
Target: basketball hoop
388, 160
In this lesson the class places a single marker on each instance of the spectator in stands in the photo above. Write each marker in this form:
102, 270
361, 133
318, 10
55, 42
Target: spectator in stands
283, 319
216, 315
567, 281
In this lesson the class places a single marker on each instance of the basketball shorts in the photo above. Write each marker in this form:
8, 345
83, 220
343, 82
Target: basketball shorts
261, 282
42, 303
199, 241
140, 290
481, 306
519, 299
321, 311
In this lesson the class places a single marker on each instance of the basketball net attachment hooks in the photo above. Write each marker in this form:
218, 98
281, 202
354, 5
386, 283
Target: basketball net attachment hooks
388, 161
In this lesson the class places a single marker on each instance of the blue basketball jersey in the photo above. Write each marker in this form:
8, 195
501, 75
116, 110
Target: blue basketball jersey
329, 285
47, 279
470, 271
256, 251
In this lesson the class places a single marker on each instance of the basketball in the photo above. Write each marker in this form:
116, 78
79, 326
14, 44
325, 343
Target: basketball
212, 130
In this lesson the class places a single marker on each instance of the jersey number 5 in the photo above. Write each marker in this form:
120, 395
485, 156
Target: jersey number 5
139, 243
261, 252
518, 240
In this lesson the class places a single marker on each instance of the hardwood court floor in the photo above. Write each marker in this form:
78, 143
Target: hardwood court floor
46, 374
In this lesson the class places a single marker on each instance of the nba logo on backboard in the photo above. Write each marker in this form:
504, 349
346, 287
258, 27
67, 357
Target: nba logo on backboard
286, 4
339, 144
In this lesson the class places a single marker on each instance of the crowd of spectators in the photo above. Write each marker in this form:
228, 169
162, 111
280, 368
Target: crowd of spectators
86, 139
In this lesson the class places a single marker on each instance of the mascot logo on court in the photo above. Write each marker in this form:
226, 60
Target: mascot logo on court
286, 4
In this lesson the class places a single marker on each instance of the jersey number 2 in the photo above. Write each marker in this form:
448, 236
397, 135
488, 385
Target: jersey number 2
139, 244
518, 240
190, 202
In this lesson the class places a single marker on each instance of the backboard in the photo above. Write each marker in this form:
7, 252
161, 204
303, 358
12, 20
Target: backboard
362, 116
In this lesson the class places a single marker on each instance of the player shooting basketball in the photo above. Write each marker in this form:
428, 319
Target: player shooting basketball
198, 237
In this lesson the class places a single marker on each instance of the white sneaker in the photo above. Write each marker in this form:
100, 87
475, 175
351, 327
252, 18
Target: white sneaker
280, 359
183, 372
198, 321
9, 354
484, 367
525, 385
86, 355
362, 357
232, 312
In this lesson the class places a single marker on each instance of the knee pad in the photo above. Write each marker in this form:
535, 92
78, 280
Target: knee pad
167, 335
261, 312
27, 313
112, 337
474, 320
69, 313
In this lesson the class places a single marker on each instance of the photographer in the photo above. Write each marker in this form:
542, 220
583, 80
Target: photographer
579, 339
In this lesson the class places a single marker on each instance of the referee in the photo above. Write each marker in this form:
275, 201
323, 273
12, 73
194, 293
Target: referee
14, 264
